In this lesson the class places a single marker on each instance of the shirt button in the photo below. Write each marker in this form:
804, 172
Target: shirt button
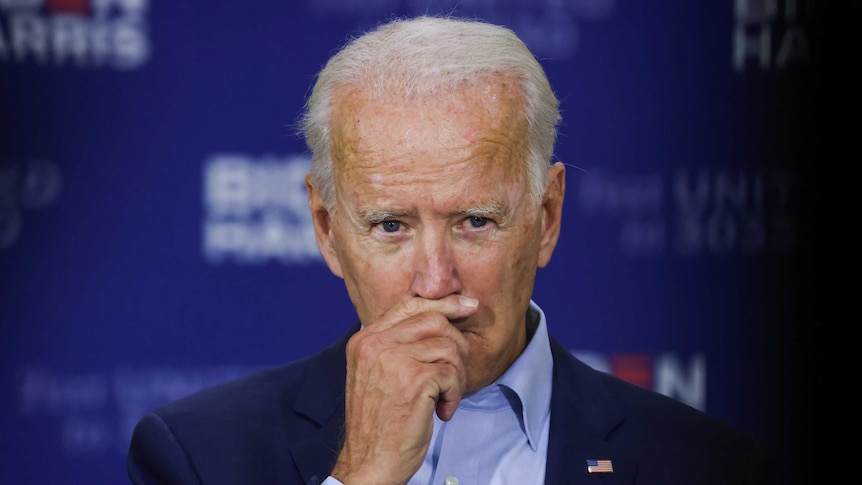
450, 480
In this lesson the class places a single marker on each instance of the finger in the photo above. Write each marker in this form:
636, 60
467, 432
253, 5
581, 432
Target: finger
417, 318
440, 385
446, 407
452, 307
442, 357
451, 389
433, 368
431, 350
420, 335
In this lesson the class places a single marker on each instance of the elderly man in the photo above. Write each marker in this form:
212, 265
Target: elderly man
433, 197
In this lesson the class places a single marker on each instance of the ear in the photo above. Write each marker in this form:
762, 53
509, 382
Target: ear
323, 228
552, 212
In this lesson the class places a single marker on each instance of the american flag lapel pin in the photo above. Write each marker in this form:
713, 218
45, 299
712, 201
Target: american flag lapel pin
600, 466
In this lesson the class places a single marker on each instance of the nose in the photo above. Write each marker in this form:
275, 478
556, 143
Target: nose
435, 272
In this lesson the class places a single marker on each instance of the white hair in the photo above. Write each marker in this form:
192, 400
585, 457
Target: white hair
427, 55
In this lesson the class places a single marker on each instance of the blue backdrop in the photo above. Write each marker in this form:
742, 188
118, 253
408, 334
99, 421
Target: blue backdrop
154, 236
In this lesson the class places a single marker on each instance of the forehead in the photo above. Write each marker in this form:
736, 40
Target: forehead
476, 126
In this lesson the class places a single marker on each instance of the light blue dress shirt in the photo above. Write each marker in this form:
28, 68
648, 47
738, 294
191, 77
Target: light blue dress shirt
499, 435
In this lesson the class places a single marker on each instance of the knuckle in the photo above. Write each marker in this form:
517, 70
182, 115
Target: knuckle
363, 347
411, 306
436, 322
368, 349
450, 372
352, 344
449, 347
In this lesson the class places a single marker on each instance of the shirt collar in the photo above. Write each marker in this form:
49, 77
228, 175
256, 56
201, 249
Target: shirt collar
526, 384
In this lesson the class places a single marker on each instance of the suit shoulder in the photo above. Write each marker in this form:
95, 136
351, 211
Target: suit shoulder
664, 411
642, 409
271, 390
665, 440
275, 384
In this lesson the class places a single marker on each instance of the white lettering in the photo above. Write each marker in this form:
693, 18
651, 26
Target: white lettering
29, 36
721, 232
126, 8
594, 359
48, 392
729, 192
717, 212
759, 24
257, 211
138, 391
631, 194
758, 45
255, 242
643, 236
83, 435
101, 42
69, 38
688, 235
794, 48
672, 380
721, 213
134, 388
131, 45
227, 186
692, 198
62, 39
669, 376
236, 185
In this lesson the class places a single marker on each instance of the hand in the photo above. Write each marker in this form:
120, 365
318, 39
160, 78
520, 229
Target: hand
399, 370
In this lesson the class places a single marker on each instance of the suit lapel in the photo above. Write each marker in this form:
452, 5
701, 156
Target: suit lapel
321, 400
583, 417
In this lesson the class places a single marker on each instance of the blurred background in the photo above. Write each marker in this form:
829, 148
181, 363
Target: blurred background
154, 236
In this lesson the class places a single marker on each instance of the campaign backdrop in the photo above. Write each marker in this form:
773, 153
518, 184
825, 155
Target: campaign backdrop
154, 234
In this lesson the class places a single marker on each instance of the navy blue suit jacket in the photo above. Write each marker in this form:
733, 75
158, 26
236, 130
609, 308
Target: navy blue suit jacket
283, 426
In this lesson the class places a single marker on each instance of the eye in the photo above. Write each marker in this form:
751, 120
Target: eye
390, 226
477, 221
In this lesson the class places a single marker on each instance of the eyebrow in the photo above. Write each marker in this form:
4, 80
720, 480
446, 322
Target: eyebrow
376, 216
496, 210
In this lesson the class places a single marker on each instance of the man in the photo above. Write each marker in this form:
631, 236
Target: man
433, 197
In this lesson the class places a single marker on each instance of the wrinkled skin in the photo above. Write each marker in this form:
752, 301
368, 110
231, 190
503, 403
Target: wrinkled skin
438, 242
